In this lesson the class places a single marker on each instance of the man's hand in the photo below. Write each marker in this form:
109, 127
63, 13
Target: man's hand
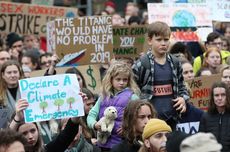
54, 60
14, 53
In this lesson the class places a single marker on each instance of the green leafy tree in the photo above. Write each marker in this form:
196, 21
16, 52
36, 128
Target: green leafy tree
43, 105
70, 101
58, 103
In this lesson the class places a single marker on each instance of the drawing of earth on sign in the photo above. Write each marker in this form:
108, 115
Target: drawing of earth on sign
183, 18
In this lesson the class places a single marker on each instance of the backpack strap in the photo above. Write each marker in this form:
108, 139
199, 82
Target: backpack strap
145, 61
145, 71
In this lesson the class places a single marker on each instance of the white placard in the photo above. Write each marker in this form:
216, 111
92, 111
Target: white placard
51, 97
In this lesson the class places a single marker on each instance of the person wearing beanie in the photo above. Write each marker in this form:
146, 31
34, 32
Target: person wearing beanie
15, 45
155, 136
110, 7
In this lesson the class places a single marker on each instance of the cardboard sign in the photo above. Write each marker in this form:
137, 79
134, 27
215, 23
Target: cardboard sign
51, 97
91, 74
3, 117
84, 40
220, 10
201, 87
128, 41
30, 19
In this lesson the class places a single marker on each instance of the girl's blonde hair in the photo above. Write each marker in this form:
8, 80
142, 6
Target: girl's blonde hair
114, 70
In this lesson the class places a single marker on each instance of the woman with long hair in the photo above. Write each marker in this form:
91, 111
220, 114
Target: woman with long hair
11, 72
217, 119
135, 117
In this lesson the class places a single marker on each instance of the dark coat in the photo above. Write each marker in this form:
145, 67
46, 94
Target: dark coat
63, 140
219, 125
124, 146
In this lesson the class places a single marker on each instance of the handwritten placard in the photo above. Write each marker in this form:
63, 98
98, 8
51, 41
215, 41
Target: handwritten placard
84, 40
30, 19
220, 10
128, 41
51, 97
189, 127
201, 87
50, 39
184, 18
180, 14
43, 2
184, 1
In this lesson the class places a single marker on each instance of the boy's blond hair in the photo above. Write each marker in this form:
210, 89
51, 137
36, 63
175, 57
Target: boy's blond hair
158, 29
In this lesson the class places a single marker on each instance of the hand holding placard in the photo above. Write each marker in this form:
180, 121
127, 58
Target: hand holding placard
51, 97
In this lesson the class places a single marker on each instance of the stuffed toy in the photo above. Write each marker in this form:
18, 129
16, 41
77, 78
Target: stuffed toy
107, 123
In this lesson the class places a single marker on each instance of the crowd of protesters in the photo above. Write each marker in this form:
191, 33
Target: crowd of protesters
150, 94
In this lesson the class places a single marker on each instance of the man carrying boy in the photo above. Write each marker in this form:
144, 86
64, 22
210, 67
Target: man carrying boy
159, 76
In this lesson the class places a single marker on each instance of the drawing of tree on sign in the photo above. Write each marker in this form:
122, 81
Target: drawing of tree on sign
70, 101
43, 105
58, 103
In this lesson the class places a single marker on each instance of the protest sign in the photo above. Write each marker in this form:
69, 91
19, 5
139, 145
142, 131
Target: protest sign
128, 41
83, 40
184, 1
180, 14
51, 97
30, 19
188, 127
184, 18
200, 88
43, 2
50, 38
3, 117
220, 10
91, 74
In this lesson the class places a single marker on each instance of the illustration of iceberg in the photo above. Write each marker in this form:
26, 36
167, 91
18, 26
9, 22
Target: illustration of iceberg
71, 58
